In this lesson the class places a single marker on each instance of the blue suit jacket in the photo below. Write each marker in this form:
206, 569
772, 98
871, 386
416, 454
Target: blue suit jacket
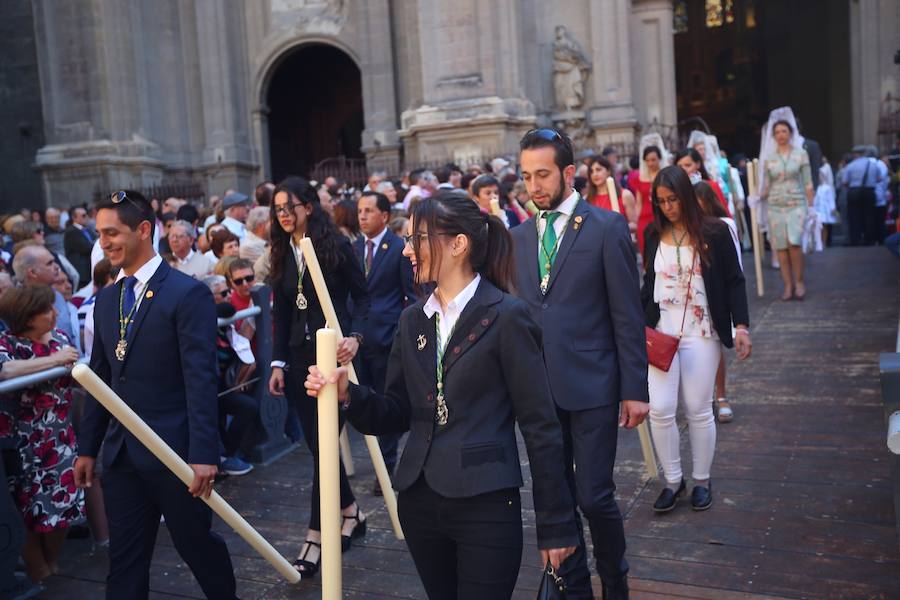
168, 377
591, 317
390, 286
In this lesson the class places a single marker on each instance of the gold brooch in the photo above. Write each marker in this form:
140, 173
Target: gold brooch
384, 246
421, 341
149, 294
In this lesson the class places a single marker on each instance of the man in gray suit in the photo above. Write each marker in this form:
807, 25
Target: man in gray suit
576, 269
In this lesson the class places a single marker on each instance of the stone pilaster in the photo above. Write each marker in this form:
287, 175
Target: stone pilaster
653, 57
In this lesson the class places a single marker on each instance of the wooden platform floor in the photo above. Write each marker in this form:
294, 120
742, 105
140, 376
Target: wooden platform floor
803, 500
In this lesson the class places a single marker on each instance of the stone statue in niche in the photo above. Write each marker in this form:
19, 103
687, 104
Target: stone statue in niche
570, 70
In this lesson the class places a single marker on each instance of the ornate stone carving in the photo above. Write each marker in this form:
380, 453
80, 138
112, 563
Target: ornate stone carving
570, 70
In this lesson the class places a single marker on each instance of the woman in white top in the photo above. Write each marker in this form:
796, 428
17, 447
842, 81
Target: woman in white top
693, 289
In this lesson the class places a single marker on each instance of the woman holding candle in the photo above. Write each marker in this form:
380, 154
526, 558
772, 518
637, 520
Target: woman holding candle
694, 290
296, 213
599, 170
465, 367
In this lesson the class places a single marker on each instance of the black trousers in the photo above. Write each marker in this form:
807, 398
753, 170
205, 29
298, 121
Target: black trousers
861, 216
308, 411
589, 440
463, 548
134, 502
243, 409
372, 370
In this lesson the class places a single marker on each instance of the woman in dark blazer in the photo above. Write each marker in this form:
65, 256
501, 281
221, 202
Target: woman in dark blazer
296, 213
693, 289
460, 472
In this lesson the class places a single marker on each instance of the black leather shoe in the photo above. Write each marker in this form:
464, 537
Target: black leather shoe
701, 497
667, 498
619, 591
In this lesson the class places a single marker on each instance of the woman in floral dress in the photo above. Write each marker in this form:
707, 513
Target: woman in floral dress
40, 419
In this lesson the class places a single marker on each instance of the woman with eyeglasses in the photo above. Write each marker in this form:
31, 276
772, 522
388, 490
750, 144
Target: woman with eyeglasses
297, 314
694, 290
464, 369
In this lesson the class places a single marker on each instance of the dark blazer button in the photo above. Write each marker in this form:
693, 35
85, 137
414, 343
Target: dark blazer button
122, 379
472, 337
485, 322
457, 350
545, 306
430, 398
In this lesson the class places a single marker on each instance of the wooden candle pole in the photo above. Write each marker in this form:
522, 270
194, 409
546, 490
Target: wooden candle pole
384, 479
329, 467
613, 195
753, 184
155, 444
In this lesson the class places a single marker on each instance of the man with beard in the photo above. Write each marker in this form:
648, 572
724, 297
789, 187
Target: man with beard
576, 268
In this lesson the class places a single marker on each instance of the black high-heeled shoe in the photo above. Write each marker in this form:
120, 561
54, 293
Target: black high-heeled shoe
305, 567
667, 498
359, 530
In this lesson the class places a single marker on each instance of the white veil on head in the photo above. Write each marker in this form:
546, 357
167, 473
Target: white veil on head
768, 147
710, 152
653, 139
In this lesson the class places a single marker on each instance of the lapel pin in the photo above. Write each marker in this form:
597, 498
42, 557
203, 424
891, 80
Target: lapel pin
149, 294
384, 246
578, 219
421, 341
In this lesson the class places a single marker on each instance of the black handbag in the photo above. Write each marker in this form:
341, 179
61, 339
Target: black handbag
553, 587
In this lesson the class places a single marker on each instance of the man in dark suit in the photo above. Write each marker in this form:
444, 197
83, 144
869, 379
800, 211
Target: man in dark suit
389, 279
154, 344
78, 242
576, 269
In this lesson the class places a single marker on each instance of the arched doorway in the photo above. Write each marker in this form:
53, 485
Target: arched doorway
315, 109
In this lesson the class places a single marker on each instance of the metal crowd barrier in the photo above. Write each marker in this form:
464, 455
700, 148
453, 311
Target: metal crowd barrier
889, 364
266, 442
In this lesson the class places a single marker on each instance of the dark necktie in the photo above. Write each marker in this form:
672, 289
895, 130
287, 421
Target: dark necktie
370, 252
87, 234
128, 301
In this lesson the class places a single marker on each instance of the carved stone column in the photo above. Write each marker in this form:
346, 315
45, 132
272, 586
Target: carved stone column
653, 54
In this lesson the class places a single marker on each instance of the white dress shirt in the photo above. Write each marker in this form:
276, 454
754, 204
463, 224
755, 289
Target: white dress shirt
565, 211
143, 276
454, 308
377, 240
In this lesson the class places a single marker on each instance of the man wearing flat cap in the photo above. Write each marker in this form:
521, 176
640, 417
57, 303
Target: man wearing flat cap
236, 206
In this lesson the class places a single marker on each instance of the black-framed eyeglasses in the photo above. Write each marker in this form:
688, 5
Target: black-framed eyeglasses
666, 201
409, 239
241, 280
286, 209
551, 135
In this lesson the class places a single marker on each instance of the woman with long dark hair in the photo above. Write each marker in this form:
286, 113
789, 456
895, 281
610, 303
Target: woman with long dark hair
599, 169
692, 163
651, 163
465, 367
693, 289
297, 314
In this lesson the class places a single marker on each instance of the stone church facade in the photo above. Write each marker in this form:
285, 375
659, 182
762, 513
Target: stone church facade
136, 93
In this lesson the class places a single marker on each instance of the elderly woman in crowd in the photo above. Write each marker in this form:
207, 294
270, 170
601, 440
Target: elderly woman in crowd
41, 421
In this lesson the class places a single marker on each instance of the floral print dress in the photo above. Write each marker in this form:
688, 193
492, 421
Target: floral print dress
40, 419
670, 291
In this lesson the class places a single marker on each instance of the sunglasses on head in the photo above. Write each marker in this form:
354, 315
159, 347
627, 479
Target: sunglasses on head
121, 196
551, 135
241, 280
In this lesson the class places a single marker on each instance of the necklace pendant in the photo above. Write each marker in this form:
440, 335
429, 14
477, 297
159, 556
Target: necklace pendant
302, 304
545, 284
441, 413
121, 348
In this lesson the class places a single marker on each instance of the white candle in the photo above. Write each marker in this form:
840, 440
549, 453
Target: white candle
155, 444
329, 467
613, 195
384, 479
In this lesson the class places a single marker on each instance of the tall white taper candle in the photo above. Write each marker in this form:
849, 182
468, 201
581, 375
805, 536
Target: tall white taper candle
384, 479
155, 444
753, 184
329, 467
613, 195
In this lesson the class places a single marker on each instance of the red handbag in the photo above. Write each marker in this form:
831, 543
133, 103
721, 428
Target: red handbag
661, 347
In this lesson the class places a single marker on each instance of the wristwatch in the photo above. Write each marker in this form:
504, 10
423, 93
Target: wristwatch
358, 336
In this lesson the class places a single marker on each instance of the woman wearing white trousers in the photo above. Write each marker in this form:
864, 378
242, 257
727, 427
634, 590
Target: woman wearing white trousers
694, 289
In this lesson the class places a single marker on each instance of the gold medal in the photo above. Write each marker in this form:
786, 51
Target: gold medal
442, 413
302, 304
121, 347
545, 283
